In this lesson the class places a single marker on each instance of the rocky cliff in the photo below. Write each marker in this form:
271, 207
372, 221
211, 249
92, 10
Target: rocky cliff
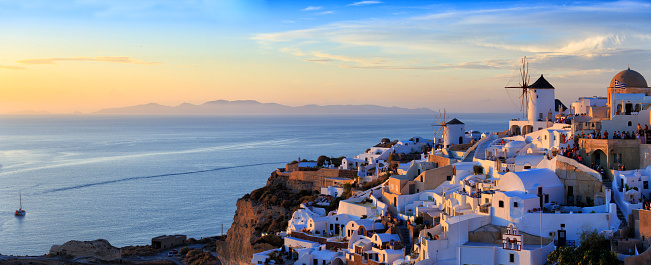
265, 210
100, 249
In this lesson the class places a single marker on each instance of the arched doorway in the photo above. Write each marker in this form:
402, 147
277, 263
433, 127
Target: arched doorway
338, 261
460, 139
515, 130
599, 158
362, 231
527, 129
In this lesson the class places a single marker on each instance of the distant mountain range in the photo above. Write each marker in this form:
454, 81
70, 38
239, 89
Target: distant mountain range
255, 107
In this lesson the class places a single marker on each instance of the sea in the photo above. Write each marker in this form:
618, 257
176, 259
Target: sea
129, 178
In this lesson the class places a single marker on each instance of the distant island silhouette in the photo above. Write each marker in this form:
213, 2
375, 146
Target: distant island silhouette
255, 107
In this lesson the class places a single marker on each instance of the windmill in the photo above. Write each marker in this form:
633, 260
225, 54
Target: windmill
441, 122
524, 85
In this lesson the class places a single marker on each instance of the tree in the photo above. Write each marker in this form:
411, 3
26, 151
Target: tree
322, 160
390, 165
592, 251
478, 169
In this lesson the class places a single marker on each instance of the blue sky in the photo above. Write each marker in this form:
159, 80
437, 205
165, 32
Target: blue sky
63, 56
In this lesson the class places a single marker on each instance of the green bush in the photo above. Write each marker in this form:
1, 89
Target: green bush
193, 252
273, 240
478, 170
184, 250
593, 250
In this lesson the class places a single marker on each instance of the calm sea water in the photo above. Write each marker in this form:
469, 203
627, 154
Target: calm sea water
130, 178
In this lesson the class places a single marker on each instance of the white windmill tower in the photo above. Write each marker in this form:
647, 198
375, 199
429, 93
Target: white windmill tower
453, 131
538, 99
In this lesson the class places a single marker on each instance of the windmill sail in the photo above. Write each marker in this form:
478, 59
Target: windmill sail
524, 86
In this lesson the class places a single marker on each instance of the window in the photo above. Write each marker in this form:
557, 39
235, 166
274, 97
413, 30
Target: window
570, 190
646, 185
449, 178
501, 204
545, 137
546, 198
486, 200
512, 258
630, 123
515, 204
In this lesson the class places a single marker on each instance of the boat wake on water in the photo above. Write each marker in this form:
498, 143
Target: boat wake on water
156, 176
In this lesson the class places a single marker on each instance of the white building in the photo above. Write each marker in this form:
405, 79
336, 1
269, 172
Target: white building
511, 251
584, 104
540, 111
454, 133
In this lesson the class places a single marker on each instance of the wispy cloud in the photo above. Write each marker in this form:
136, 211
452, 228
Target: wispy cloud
108, 59
11, 67
319, 60
312, 8
582, 35
326, 12
464, 65
363, 3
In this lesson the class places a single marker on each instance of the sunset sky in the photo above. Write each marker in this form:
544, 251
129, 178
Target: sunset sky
84, 55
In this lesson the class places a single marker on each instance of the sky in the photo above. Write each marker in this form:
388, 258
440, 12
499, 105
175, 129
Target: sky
70, 56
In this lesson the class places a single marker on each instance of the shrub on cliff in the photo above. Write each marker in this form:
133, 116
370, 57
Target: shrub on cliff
256, 194
198, 257
130, 251
184, 250
277, 225
193, 252
273, 240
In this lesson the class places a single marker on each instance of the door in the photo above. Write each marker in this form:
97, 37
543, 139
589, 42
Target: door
561, 238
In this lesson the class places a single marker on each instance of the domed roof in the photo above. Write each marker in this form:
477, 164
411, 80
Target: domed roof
630, 78
515, 144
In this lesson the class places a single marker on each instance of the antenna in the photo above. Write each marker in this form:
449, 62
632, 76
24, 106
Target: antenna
524, 85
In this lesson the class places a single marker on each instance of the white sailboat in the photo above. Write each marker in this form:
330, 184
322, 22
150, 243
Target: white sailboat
21, 212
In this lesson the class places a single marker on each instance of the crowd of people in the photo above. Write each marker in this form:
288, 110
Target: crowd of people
566, 120
640, 134
572, 151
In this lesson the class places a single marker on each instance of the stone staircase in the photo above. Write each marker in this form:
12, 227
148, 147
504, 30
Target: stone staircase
609, 184
470, 156
621, 217
405, 238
